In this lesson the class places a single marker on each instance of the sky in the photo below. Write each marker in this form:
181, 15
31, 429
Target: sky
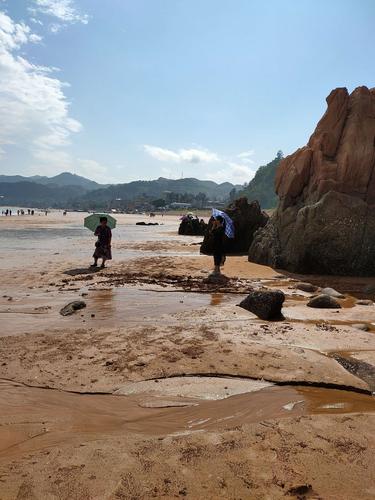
120, 90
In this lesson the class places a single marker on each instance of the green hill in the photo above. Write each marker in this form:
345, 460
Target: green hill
262, 186
159, 188
74, 192
61, 180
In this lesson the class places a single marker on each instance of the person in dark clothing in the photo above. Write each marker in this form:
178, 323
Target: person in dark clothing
218, 236
103, 244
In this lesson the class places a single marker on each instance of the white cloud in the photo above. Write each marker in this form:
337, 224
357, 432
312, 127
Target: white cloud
55, 28
36, 21
192, 155
161, 154
226, 170
64, 10
246, 154
198, 155
34, 111
34, 38
236, 173
54, 162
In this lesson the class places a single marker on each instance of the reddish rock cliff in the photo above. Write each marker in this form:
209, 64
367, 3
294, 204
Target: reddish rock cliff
325, 221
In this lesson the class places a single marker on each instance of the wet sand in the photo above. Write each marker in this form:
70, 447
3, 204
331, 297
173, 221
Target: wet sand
162, 386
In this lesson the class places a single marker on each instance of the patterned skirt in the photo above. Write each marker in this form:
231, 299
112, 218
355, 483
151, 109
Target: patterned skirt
103, 252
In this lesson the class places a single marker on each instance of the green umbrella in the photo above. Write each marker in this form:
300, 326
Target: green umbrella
93, 221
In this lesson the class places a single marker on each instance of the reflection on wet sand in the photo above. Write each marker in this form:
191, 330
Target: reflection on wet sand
216, 299
107, 307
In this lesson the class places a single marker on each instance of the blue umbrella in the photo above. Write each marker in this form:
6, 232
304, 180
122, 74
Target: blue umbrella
229, 224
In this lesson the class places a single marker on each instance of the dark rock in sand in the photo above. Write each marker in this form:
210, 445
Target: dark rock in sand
324, 302
72, 307
147, 223
216, 279
192, 226
361, 326
265, 304
247, 218
370, 289
306, 287
325, 219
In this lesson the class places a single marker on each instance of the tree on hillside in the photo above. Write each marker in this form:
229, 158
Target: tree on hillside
262, 186
232, 194
159, 203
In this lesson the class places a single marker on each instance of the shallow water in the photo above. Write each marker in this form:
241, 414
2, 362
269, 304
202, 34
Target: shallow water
32, 419
30, 238
105, 308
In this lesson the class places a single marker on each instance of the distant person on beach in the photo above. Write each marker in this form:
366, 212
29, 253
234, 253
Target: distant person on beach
218, 236
103, 244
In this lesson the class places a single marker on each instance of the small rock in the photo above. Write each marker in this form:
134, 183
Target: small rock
306, 287
332, 293
93, 315
265, 304
361, 326
72, 307
324, 301
369, 289
364, 302
216, 278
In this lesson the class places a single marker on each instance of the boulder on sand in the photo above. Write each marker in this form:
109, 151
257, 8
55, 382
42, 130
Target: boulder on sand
72, 307
306, 287
265, 304
192, 226
324, 302
325, 219
332, 293
247, 218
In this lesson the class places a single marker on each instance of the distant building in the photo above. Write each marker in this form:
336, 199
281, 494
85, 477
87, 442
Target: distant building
175, 204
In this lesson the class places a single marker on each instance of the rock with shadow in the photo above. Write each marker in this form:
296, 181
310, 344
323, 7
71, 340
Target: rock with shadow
247, 218
325, 219
266, 304
72, 307
323, 301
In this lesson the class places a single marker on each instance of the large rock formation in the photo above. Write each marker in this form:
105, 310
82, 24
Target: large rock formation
247, 218
192, 226
325, 220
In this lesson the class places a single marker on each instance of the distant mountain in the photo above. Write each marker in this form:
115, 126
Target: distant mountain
74, 192
262, 186
33, 194
160, 187
63, 179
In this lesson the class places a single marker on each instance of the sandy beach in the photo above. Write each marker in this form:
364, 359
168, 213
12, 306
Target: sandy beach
162, 387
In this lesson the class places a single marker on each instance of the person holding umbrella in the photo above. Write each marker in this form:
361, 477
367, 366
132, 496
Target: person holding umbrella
103, 244
222, 228
101, 225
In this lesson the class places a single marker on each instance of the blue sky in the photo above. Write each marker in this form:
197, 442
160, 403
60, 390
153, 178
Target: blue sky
118, 90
